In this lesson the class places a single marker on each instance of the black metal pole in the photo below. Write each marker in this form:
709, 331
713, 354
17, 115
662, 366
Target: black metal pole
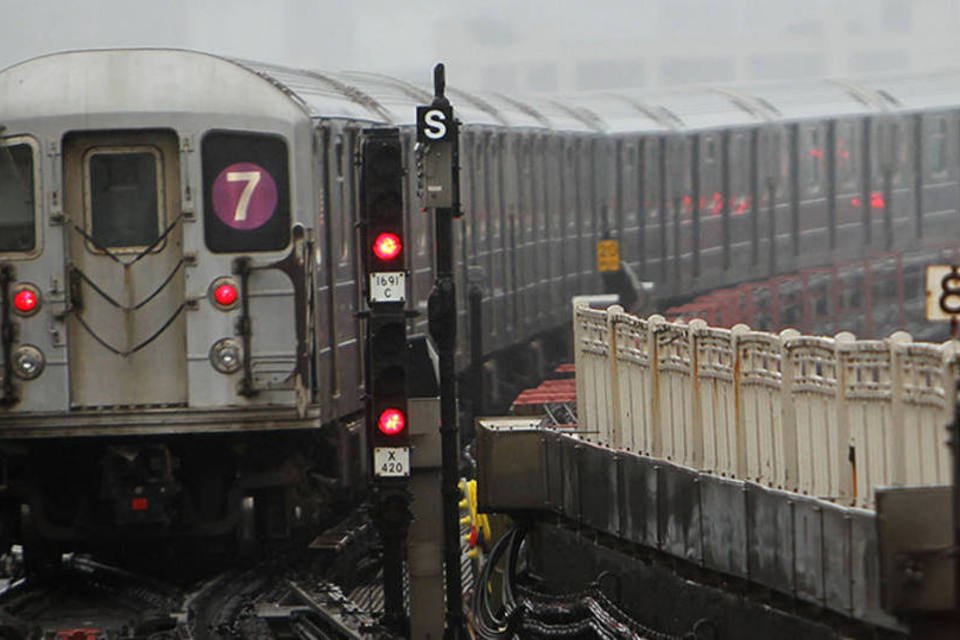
392, 517
442, 312
956, 500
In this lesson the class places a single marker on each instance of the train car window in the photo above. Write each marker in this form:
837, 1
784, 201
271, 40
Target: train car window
711, 190
124, 199
812, 160
740, 200
344, 148
847, 143
496, 170
630, 175
483, 191
709, 149
937, 147
246, 193
540, 188
527, 187
893, 149
653, 180
18, 227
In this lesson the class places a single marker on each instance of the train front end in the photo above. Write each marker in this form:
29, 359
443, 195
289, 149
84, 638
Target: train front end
155, 318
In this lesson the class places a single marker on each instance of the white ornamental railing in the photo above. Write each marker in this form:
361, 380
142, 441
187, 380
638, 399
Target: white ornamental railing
826, 417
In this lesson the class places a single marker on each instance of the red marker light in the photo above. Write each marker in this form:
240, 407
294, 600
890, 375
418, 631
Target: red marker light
26, 300
387, 246
139, 504
391, 422
225, 295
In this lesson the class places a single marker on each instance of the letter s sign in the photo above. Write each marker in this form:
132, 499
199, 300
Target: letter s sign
433, 123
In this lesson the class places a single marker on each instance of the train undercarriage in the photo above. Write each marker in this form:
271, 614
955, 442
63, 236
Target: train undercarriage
227, 493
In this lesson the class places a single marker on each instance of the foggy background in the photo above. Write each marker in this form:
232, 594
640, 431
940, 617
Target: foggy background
517, 45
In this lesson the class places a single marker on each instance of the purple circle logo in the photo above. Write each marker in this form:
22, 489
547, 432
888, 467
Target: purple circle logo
245, 196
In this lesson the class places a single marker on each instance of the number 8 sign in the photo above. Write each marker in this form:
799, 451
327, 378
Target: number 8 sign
244, 196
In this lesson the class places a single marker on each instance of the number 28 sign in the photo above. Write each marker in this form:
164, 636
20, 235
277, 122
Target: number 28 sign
244, 196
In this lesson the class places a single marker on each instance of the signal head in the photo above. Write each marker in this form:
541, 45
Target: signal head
387, 246
391, 422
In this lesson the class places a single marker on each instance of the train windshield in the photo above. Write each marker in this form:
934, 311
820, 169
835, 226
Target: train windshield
124, 196
18, 232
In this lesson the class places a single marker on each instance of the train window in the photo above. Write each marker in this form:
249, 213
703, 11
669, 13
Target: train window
739, 164
652, 179
18, 227
342, 189
711, 184
246, 193
812, 160
937, 147
846, 145
124, 198
709, 149
629, 175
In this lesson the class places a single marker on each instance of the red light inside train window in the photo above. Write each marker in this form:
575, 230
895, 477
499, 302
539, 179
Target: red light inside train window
387, 246
139, 504
391, 422
26, 300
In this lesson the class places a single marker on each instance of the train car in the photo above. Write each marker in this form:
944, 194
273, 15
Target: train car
180, 351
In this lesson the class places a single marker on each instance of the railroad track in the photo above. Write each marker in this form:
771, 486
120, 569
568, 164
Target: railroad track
287, 595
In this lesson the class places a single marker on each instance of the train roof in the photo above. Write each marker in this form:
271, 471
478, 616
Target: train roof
182, 81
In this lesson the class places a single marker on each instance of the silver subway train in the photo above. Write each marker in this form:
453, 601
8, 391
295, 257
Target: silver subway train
179, 339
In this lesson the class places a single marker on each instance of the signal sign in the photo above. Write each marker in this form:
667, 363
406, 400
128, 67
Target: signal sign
434, 123
608, 255
943, 292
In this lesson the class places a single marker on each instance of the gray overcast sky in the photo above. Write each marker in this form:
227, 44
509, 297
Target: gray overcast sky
552, 44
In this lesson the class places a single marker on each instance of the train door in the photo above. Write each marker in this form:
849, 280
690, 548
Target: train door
680, 213
892, 180
774, 226
127, 340
939, 176
498, 233
711, 218
814, 213
855, 209
555, 210
629, 190
740, 239
653, 196
571, 243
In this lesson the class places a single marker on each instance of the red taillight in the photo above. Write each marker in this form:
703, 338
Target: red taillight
224, 293
26, 300
387, 246
139, 504
391, 422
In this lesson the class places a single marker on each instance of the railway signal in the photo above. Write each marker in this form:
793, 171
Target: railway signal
382, 235
388, 432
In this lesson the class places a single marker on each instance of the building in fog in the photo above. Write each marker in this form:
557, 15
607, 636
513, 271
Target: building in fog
680, 42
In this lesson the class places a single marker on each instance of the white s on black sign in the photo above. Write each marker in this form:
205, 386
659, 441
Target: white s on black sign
434, 124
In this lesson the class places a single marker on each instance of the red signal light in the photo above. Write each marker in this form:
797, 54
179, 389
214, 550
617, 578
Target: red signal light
26, 300
387, 246
391, 422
